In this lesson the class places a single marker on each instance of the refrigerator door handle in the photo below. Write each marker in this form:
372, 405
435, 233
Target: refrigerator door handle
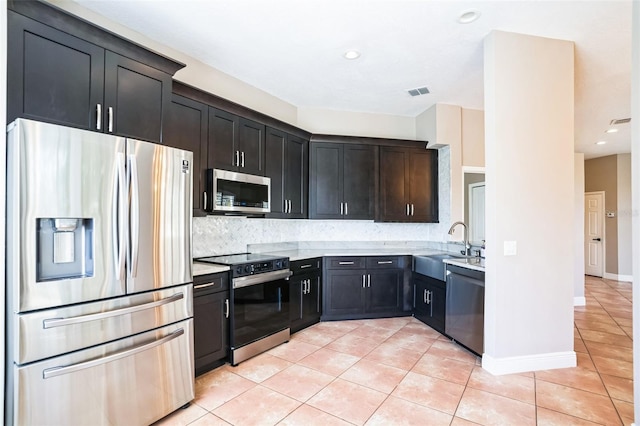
59, 371
119, 216
59, 322
135, 215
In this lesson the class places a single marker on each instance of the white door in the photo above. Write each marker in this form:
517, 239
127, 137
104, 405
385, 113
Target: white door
594, 233
476, 212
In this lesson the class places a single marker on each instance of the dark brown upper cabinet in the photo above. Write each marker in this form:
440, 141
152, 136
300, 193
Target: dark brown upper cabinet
408, 185
66, 71
186, 128
236, 143
342, 184
287, 164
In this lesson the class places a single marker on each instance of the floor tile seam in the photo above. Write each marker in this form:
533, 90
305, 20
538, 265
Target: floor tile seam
470, 386
606, 395
596, 366
568, 415
443, 379
427, 406
616, 407
368, 387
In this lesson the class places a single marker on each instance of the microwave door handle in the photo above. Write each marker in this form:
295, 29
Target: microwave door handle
135, 214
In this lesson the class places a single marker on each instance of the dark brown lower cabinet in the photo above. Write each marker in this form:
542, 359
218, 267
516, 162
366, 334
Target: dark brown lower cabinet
210, 321
430, 301
304, 293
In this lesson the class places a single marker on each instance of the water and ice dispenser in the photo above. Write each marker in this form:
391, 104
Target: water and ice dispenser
64, 248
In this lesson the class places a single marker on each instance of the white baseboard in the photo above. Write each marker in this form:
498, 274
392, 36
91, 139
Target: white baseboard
579, 301
521, 364
616, 277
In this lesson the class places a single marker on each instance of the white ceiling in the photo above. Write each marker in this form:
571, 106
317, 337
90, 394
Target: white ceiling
293, 50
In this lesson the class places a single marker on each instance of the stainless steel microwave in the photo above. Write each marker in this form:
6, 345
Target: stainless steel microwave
237, 192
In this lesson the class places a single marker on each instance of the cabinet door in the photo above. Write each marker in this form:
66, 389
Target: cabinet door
422, 309
438, 306
211, 327
311, 300
296, 285
186, 128
275, 168
223, 132
296, 176
393, 185
384, 291
325, 175
430, 301
136, 98
344, 292
358, 182
251, 147
423, 185
53, 76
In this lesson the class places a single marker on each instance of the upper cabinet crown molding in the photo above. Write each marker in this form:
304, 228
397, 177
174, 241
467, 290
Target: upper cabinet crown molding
363, 140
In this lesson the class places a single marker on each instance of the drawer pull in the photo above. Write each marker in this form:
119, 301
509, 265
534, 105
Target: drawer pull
346, 263
385, 262
199, 286
305, 266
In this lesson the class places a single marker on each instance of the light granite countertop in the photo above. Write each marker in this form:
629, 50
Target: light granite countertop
301, 254
201, 268
475, 263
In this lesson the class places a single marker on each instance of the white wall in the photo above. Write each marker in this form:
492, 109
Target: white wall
529, 110
624, 217
635, 171
472, 137
578, 262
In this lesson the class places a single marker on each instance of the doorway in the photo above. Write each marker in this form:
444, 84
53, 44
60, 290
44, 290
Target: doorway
594, 241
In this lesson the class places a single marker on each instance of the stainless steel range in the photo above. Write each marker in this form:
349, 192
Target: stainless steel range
259, 317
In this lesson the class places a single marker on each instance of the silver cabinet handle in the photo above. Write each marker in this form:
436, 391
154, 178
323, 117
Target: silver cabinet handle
345, 263
237, 163
341, 209
135, 215
285, 206
411, 209
226, 311
305, 266
346, 209
368, 280
59, 322
385, 262
204, 194
242, 156
110, 111
98, 116
59, 371
407, 210
363, 281
425, 296
429, 297
200, 286
308, 286
289, 206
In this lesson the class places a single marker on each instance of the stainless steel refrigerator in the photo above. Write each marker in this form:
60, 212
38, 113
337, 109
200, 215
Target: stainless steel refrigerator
99, 278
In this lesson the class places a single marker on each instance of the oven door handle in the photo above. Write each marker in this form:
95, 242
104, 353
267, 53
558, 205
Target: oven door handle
261, 278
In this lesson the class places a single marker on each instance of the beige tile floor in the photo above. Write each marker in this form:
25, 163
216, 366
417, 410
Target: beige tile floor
399, 371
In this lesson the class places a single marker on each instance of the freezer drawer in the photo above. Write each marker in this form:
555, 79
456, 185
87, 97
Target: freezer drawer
52, 332
132, 381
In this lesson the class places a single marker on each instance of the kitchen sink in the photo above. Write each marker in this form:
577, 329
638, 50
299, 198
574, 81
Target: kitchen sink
432, 265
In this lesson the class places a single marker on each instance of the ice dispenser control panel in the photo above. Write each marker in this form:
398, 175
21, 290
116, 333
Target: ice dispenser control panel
64, 248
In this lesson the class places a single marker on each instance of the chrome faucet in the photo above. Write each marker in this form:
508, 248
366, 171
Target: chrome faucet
467, 246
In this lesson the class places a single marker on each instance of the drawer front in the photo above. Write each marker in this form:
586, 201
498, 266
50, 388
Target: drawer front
385, 262
346, 262
306, 265
204, 284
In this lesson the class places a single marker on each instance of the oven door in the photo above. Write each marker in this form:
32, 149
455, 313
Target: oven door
259, 310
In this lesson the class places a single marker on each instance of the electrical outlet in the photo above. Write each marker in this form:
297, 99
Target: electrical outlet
510, 248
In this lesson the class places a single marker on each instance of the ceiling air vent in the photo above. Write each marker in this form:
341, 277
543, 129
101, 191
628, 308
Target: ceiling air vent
419, 91
619, 121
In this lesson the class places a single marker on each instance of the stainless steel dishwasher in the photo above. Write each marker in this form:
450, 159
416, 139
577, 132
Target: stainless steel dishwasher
464, 318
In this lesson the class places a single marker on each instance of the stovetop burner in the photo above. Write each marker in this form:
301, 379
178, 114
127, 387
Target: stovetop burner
243, 264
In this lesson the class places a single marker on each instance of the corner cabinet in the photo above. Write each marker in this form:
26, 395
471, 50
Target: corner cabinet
342, 184
210, 321
287, 164
366, 287
186, 128
408, 185
66, 71
304, 293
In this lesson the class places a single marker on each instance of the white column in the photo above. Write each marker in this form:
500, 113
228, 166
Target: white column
530, 210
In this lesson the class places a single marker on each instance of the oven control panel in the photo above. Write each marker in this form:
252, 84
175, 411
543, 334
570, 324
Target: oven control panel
253, 268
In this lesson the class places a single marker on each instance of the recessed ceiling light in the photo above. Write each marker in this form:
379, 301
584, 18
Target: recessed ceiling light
468, 16
601, 142
611, 130
351, 54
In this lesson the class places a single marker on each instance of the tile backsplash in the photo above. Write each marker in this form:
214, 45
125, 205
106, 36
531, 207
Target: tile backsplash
214, 235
